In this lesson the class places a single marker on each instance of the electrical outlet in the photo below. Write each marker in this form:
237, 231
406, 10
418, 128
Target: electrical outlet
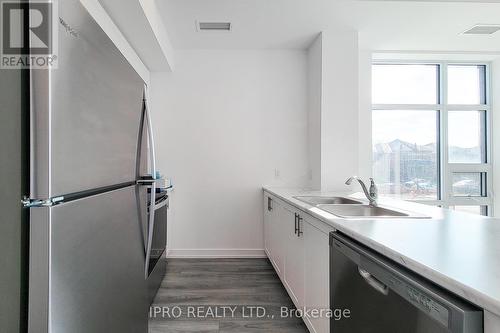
276, 173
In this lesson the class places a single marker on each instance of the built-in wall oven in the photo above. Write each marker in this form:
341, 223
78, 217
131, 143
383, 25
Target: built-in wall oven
157, 260
381, 296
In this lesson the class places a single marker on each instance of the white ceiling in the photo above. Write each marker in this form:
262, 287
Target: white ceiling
382, 25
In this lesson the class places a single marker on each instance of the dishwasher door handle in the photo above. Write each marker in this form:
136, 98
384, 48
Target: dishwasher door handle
373, 282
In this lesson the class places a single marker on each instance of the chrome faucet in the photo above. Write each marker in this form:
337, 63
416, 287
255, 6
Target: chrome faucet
372, 194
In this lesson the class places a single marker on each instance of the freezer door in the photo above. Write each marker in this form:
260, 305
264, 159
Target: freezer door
87, 265
86, 113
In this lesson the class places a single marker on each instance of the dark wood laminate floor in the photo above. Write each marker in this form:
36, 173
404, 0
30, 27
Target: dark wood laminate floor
222, 295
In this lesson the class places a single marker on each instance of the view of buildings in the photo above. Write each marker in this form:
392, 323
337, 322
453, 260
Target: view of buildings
410, 171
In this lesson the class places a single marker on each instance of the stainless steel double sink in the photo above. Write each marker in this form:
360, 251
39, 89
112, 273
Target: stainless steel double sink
352, 209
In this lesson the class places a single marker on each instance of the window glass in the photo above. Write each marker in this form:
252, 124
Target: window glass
405, 84
405, 155
466, 84
468, 184
466, 136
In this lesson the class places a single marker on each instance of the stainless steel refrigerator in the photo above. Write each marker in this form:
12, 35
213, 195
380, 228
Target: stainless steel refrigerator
91, 165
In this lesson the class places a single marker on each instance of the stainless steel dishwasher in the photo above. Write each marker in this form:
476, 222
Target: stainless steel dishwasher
384, 297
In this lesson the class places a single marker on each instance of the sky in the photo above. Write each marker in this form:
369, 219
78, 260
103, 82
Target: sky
417, 84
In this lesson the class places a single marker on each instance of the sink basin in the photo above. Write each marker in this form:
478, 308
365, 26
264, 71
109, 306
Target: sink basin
365, 211
318, 200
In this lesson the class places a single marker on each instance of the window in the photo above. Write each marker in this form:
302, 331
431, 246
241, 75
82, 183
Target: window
467, 84
430, 133
405, 153
467, 136
408, 84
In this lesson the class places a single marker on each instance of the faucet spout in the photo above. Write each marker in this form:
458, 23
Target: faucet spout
371, 194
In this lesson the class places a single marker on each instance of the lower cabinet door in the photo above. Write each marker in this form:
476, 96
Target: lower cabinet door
278, 237
268, 219
294, 262
301, 259
316, 269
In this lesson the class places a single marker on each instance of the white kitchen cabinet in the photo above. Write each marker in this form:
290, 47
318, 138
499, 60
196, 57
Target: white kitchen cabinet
268, 217
279, 239
297, 245
294, 254
273, 238
316, 273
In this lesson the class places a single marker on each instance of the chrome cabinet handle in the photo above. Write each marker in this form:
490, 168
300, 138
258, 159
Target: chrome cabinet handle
151, 140
373, 282
269, 204
296, 220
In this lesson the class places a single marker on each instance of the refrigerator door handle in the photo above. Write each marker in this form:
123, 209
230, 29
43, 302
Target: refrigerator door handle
152, 199
151, 226
151, 140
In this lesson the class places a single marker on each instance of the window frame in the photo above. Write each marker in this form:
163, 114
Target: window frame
445, 168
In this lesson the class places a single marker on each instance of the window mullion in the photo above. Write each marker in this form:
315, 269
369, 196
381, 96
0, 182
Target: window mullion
469, 167
468, 107
424, 107
445, 176
472, 201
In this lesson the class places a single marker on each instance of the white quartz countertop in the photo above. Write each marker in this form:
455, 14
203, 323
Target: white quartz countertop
458, 251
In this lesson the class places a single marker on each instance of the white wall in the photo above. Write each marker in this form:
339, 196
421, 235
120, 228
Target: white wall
333, 109
339, 115
334, 144
224, 121
365, 114
314, 69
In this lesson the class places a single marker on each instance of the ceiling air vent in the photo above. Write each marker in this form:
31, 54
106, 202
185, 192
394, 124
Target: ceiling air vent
482, 29
213, 26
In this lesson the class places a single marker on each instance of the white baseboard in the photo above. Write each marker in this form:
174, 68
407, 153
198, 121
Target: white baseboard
216, 253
